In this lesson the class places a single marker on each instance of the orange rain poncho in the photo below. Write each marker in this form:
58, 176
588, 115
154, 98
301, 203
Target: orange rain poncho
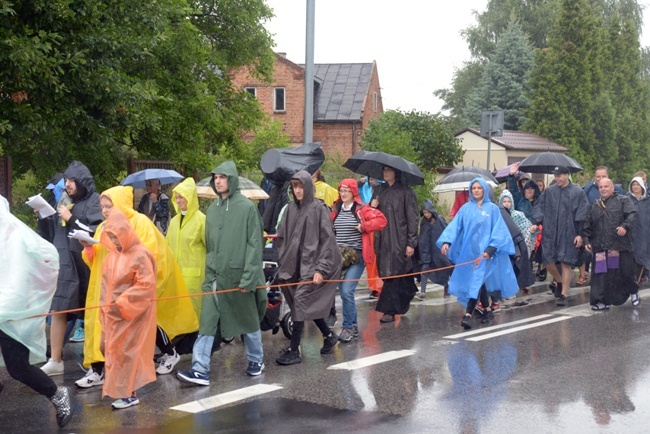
175, 316
129, 327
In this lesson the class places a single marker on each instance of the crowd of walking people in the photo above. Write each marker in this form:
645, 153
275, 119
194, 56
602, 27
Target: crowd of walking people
206, 274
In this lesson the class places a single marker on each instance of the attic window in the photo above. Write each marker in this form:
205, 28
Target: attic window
278, 100
374, 102
251, 90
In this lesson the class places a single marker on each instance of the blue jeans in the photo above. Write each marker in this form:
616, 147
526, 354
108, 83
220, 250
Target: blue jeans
346, 289
202, 350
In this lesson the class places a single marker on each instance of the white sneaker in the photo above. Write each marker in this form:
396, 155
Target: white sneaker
167, 363
53, 368
635, 299
91, 379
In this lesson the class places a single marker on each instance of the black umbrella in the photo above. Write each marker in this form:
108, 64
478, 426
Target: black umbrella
372, 164
279, 165
460, 177
546, 162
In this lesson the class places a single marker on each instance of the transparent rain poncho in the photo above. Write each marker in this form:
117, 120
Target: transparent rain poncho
29, 266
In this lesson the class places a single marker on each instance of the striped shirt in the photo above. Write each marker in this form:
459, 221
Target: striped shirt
345, 226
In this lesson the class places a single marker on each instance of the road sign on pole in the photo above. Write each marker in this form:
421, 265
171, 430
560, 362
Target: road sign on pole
491, 125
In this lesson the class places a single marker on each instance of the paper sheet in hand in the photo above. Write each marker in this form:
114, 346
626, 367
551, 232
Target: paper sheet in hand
39, 204
82, 236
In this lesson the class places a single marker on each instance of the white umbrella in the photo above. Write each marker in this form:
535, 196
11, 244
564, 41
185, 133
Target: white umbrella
246, 187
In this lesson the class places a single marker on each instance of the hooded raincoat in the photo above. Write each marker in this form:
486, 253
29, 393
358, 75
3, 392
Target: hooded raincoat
520, 220
641, 229
519, 202
234, 243
175, 316
186, 237
306, 244
73, 273
129, 327
469, 234
371, 219
430, 255
520, 260
29, 268
563, 212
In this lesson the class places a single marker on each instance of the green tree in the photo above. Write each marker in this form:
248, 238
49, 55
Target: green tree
420, 137
566, 81
457, 97
535, 16
104, 81
503, 85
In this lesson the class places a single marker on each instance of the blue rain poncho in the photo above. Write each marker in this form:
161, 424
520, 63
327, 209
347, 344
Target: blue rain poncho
29, 266
469, 234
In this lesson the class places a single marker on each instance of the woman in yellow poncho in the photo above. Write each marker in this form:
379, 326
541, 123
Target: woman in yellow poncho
174, 317
186, 237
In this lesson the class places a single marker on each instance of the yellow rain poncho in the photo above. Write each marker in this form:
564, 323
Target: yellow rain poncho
175, 316
128, 281
186, 237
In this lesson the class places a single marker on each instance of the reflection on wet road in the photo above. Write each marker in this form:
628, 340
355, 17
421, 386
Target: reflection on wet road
535, 367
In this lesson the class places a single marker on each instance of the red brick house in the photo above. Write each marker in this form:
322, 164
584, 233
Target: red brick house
346, 97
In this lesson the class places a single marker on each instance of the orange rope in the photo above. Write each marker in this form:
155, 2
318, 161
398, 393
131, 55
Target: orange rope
279, 285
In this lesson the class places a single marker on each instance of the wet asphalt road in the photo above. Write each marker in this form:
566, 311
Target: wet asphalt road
536, 368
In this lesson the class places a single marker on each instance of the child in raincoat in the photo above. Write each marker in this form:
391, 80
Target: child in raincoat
128, 313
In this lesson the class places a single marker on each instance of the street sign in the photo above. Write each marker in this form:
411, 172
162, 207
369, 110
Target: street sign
492, 123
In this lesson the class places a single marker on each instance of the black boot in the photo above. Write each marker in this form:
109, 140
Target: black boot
328, 343
289, 357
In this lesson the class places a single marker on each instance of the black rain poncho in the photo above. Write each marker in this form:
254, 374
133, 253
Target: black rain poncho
563, 212
73, 273
615, 285
306, 244
641, 230
400, 206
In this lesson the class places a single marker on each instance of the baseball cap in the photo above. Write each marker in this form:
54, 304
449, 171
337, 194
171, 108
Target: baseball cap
561, 170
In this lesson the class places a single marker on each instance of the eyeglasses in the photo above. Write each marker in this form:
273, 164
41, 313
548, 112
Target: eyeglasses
345, 191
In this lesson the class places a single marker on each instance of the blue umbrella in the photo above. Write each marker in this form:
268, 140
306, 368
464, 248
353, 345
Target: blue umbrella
137, 179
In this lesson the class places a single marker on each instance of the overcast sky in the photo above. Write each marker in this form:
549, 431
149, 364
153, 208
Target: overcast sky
416, 43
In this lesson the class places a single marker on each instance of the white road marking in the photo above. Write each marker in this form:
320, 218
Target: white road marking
226, 398
496, 327
373, 360
517, 329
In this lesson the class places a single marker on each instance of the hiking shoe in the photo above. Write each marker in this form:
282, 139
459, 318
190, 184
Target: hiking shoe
125, 402
61, 401
466, 323
255, 368
167, 363
374, 295
347, 335
420, 296
487, 317
561, 300
387, 318
635, 299
91, 379
79, 335
599, 306
289, 357
328, 343
495, 306
194, 377
331, 320
53, 368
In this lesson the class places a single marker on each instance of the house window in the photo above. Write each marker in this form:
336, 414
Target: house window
374, 102
251, 90
279, 100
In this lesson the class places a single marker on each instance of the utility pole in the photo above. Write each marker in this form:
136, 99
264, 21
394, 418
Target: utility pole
309, 72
